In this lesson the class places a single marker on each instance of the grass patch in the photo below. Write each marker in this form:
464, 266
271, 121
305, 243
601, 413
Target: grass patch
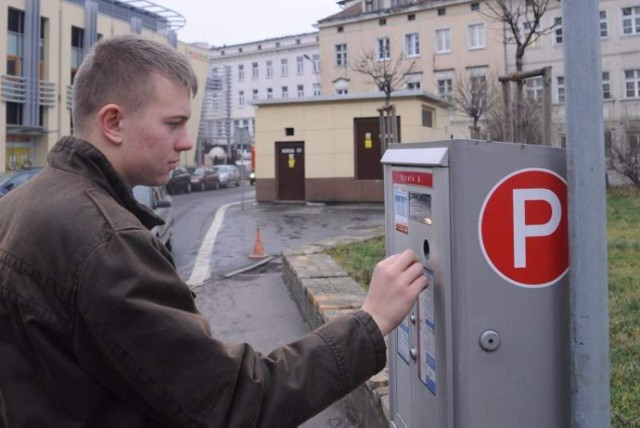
623, 226
359, 258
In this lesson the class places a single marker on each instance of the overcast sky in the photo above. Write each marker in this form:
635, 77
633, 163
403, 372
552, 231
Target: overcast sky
228, 22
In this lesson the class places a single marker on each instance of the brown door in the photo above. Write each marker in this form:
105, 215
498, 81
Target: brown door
290, 170
368, 149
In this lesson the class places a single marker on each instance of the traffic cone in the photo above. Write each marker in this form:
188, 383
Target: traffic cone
258, 248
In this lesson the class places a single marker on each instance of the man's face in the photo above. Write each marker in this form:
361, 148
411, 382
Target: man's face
155, 134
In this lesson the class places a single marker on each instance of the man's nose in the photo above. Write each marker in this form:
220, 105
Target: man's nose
185, 143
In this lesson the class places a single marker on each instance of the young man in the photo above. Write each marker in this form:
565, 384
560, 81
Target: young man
96, 327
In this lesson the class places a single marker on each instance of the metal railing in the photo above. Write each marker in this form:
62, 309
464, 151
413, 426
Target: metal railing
14, 89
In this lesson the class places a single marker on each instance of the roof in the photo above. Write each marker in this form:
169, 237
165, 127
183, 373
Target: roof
349, 12
427, 96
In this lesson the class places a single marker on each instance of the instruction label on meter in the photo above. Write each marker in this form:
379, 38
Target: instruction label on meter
426, 334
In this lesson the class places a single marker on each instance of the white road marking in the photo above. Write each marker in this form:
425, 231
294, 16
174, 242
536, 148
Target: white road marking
201, 268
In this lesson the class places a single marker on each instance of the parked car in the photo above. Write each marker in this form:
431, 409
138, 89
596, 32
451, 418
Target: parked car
159, 201
179, 181
13, 179
227, 175
203, 178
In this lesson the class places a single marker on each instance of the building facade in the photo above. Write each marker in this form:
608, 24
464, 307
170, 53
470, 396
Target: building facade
445, 40
45, 44
243, 74
620, 51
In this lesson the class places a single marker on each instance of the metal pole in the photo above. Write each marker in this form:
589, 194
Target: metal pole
546, 106
590, 393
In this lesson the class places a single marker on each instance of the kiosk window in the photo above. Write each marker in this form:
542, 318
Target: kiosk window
420, 207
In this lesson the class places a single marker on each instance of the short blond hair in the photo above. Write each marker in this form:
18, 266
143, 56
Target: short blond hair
117, 70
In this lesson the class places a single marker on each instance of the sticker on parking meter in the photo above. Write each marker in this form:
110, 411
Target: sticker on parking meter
427, 334
401, 209
404, 343
523, 228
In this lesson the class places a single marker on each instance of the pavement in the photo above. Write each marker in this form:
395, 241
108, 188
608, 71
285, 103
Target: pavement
296, 287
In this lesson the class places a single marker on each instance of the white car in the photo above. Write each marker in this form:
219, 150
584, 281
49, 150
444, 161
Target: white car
227, 175
159, 201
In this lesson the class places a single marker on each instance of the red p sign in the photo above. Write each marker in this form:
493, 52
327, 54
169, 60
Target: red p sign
523, 228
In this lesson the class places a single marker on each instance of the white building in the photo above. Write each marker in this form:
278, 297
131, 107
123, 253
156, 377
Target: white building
240, 75
620, 52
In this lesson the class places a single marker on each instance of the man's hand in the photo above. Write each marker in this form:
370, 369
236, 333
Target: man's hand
395, 285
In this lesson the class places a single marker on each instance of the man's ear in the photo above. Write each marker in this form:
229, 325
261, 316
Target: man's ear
109, 120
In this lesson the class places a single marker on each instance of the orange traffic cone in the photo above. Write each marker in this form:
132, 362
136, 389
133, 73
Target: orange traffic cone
258, 248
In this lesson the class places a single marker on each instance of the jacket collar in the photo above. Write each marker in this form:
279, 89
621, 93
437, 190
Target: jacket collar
83, 158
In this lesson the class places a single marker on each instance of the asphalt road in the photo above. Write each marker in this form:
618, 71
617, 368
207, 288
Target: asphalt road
255, 307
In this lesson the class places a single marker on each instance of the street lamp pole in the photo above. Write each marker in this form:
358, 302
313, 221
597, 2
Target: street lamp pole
315, 70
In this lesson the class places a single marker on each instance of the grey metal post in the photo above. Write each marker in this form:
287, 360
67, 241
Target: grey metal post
590, 390
508, 118
547, 102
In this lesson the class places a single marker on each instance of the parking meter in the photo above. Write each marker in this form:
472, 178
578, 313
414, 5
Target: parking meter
487, 343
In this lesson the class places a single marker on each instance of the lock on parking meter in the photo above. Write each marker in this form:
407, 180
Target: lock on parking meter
487, 343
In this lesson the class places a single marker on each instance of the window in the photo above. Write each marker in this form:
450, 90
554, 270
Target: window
414, 85
604, 25
316, 89
442, 11
631, 20
254, 70
383, 49
444, 85
443, 40
475, 6
412, 44
269, 93
77, 45
15, 42
240, 72
557, 29
300, 65
255, 95
560, 85
632, 83
300, 89
240, 98
427, 117
316, 63
14, 113
476, 36
342, 91
382, 21
284, 67
525, 29
285, 92
341, 55
411, 17
269, 69
606, 85
534, 88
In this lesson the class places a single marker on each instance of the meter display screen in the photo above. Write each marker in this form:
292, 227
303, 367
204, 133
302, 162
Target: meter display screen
420, 207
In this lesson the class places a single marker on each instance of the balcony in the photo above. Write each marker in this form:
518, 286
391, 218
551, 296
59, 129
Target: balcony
13, 89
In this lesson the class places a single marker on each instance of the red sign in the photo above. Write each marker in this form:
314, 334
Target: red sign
413, 178
523, 228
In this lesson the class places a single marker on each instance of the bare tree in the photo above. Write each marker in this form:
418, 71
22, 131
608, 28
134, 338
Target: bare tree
388, 75
522, 23
494, 123
475, 96
625, 153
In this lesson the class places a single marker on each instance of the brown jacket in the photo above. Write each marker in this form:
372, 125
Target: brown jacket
97, 329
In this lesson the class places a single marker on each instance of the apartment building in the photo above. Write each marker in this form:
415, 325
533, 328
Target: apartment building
446, 40
243, 74
44, 43
620, 51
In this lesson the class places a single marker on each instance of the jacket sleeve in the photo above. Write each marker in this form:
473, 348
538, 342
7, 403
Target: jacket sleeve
139, 334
